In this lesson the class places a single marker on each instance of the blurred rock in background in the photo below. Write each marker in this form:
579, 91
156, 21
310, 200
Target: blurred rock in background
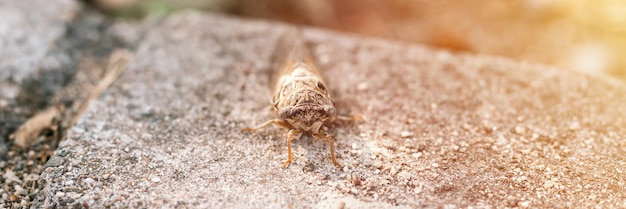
582, 35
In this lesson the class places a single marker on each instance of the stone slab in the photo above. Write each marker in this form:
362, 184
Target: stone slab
439, 130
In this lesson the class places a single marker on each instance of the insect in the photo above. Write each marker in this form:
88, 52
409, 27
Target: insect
300, 97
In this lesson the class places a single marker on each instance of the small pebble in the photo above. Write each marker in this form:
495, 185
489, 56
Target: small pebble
60, 194
309, 167
63, 153
574, 125
10, 176
548, 184
24, 203
362, 86
55, 161
356, 181
72, 189
155, 180
341, 205
404, 175
524, 204
393, 171
405, 134
146, 136
519, 129
89, 181
18, 189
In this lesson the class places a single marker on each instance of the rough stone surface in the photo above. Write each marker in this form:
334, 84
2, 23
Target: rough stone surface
440, 129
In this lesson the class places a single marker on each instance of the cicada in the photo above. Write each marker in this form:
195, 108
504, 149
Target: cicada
300, 97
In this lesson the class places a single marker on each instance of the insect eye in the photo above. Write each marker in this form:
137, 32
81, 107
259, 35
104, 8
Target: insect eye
321, 86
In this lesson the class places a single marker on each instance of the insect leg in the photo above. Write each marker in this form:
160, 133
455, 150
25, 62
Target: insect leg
293, 133
274, 121
330, 140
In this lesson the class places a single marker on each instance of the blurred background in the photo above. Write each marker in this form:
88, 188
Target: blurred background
582, 35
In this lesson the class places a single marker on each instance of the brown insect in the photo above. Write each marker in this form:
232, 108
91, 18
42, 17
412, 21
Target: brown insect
300, 97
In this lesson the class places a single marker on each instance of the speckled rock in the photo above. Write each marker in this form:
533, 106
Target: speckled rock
439, 130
